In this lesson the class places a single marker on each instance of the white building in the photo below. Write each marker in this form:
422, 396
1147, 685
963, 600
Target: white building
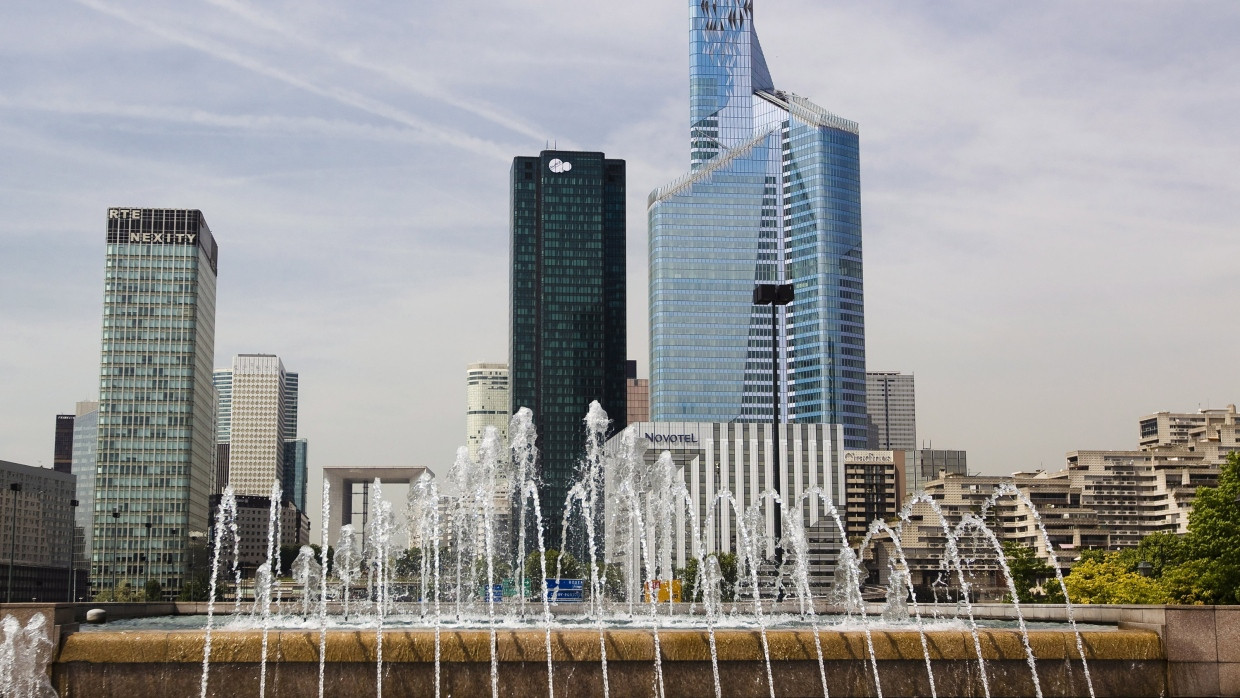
256, 396
713, 458
486, 403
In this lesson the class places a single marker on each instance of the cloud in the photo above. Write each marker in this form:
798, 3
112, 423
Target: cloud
420, 82
349, 98
1048, 198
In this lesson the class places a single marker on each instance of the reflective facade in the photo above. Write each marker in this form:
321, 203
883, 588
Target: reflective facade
567, 312
156, 455
296, 463
85, 445
773, 197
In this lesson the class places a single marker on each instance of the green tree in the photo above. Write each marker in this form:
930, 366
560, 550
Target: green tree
613, 580
570, 568
729, 570
1213, 540
193, 590
288, 553
500, 568
124, 593
1199, 582
1108, 581
318, 555
1030, 574
198, 573
1162, 550
154, 591
688, 576
408, 564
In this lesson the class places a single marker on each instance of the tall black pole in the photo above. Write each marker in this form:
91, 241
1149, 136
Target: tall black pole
147, 563
16, 487
116, 515
779, 519
73, 505
775, 295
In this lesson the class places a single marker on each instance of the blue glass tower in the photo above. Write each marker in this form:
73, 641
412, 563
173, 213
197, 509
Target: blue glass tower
773, 196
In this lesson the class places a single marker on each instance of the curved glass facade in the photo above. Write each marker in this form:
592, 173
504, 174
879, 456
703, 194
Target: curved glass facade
773, 197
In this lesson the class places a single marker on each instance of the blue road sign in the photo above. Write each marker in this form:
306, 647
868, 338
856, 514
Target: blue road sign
497, 592
566, 590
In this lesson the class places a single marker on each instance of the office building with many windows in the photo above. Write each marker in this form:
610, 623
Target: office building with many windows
891, 404
638, 398
926, 464
773, 196
487, 398
710, 459
62, 455
256, 440
156, 456
37, 535
567, 313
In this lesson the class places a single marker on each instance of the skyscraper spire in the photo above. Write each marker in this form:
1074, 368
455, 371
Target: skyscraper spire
773, 195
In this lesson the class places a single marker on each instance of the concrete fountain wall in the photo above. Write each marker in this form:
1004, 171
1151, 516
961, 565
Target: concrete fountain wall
161, 663
1157, 650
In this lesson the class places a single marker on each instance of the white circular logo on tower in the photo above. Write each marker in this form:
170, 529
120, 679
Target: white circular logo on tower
559, 166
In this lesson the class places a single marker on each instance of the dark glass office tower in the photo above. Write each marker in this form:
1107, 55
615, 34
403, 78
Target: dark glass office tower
156, 449
567, 312
295, 466
62, 456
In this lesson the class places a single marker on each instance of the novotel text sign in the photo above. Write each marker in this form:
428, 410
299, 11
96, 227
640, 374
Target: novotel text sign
672, 438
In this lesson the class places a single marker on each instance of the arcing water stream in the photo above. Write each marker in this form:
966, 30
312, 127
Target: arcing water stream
489, 527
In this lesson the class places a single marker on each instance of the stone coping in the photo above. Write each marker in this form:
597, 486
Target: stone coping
464, 646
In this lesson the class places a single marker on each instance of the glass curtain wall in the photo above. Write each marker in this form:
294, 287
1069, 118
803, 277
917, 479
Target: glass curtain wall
773, 197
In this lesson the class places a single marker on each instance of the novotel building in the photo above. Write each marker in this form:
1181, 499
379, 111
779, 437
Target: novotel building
711, 458
156, 433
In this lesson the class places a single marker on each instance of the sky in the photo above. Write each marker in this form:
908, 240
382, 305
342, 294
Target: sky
1050, 195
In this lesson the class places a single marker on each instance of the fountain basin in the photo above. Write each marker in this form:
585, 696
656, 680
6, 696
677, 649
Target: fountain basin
161, 662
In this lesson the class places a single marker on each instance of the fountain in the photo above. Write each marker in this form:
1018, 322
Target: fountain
440, 623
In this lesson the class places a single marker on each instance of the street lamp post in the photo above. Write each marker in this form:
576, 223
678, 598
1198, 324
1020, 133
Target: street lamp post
15, 487
73, 505
147, 563
775, 295
116, 515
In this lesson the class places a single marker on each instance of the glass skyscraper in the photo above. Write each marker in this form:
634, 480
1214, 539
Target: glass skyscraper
85, 461
295, 472
156, 427
567, 313
773, 196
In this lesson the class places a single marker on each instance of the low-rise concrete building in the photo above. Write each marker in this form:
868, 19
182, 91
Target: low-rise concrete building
37, 533
873, 488
254, 528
